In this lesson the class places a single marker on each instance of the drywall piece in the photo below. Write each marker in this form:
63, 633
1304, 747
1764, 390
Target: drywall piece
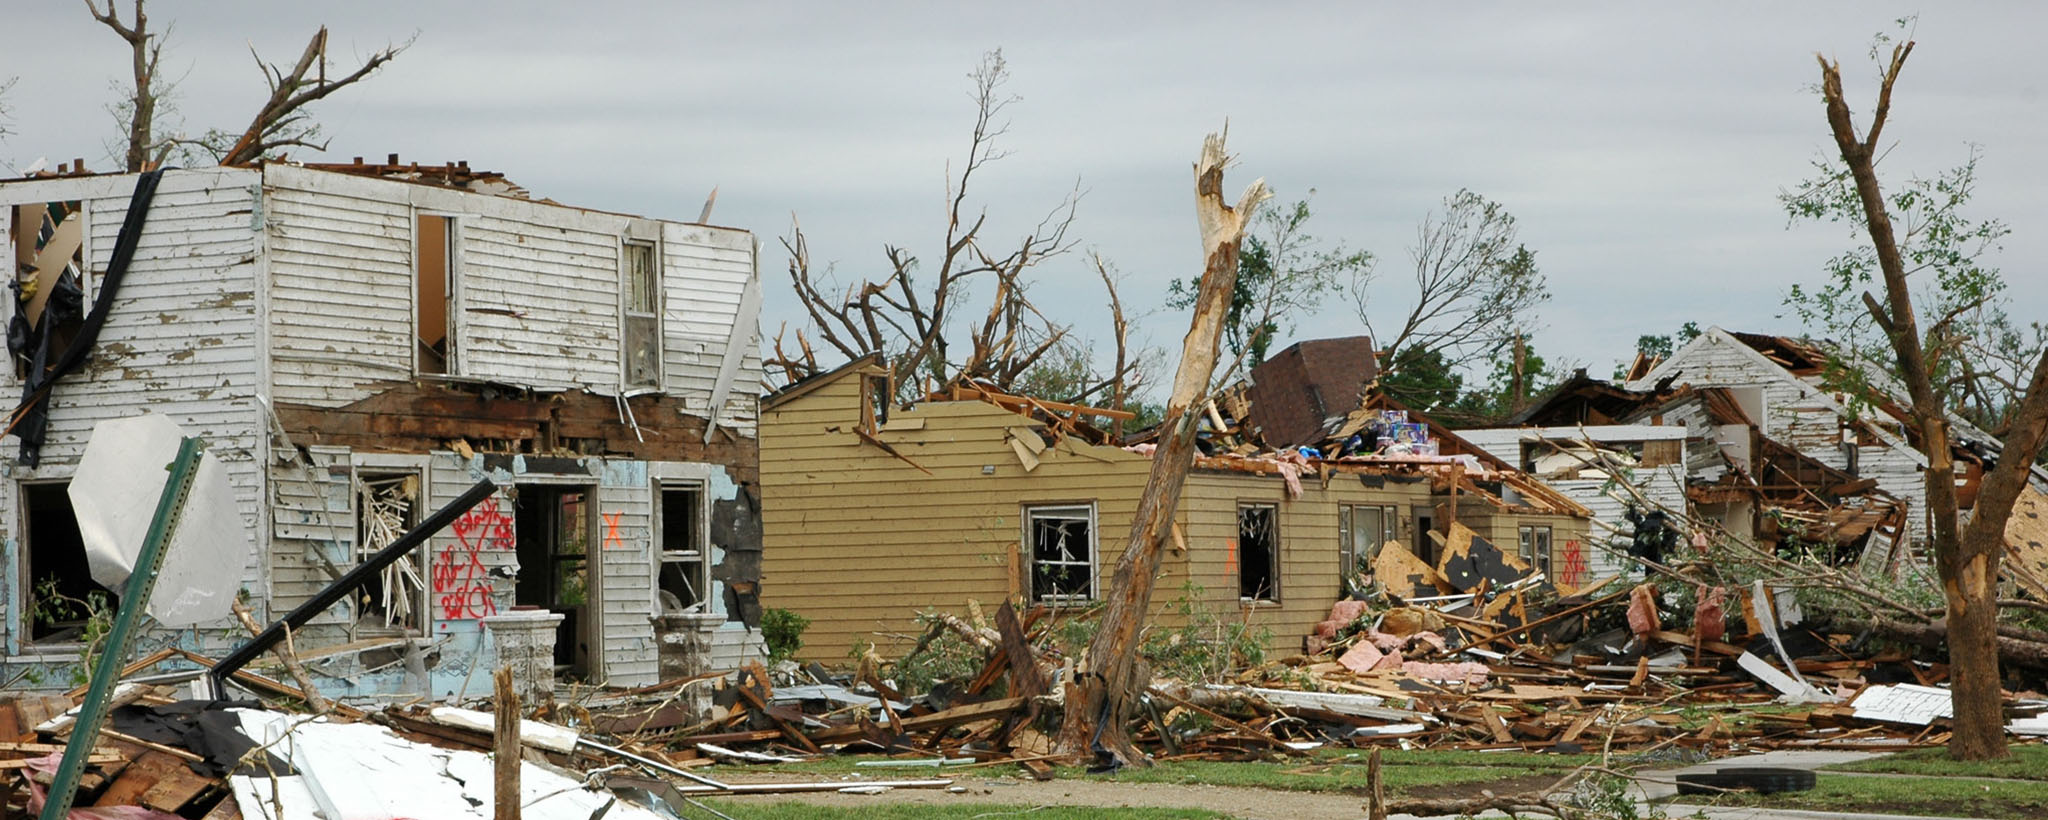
115, 492
1903, 703
1795, 691
531, 732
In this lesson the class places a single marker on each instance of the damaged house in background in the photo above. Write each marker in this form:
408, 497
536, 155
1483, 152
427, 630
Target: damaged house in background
1739, 430
360, 343
873, 513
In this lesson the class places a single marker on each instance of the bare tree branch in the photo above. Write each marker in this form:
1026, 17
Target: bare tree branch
281, 121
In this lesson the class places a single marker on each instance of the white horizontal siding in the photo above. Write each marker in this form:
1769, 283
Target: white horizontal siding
180, 339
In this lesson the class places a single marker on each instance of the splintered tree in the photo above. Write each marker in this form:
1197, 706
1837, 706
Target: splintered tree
907, 314
281, 122
1107, 684
1966, 556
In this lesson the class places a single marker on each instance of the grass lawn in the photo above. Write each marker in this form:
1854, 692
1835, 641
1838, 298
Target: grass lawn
1324, 770
2028, 762
1922, 796
910, 811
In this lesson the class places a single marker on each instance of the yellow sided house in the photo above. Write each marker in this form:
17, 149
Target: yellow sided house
872, 514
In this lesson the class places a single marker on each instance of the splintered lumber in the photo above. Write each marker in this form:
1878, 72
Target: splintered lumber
1106, 687
1551, 618
950, 717
505, 754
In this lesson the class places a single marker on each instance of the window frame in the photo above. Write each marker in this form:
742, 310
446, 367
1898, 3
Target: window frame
451, 361
1032, 512
628, 312
1539, 558
20, 630
1347, 526
702, 554
1273, 558
382, 470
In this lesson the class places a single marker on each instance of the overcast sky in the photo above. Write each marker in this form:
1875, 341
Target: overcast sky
1641, 146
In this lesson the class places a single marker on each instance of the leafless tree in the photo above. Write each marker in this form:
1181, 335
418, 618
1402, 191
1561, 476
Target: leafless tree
1966, 556
1474, 287
138, 113
281, 122
907, 315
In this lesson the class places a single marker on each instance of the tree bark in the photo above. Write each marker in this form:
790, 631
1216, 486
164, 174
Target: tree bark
2013, 650
505, 752
1104, 688
1968, 567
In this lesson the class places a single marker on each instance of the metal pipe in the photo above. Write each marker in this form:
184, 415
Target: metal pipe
653, 764
346, 584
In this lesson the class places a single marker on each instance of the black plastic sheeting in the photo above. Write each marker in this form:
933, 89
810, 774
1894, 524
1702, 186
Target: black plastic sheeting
204, 728
32, 417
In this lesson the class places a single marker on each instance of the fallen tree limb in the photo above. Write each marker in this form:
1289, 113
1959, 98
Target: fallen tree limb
2018, 651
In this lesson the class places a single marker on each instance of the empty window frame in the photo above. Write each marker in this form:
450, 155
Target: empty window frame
62, 595
1536, 548
1258, 552
387, 505
1062, 544
434, 294
1361, 530
51, 285
641, 267
684, 574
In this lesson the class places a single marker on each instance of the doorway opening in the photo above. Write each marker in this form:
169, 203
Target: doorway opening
554, 533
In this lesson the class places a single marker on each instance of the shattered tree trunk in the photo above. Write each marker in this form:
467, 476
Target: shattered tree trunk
1967, 561
1100, 697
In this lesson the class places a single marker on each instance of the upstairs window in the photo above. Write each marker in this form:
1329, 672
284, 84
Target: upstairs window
642, 331
1062, 543
50, 284
434, 294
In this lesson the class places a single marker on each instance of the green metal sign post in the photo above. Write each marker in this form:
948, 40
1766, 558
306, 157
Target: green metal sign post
92, 715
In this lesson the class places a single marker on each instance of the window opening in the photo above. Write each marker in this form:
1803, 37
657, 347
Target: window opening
1062, 553
434, 293
1258, 552
49, 282
387, 505
685, 580
643, 315
1536, 548
553, 528
1362, 529
63, 597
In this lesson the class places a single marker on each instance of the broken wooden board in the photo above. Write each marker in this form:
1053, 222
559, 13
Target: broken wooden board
1405, 575
2026, 543
1469, 560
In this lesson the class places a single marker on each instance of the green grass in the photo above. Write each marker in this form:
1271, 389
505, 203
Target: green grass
1343, 770
1338, 769
2028, 762
1924, 796
792, 810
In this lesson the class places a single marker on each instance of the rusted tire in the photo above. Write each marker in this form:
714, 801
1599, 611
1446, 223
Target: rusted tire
1760, 779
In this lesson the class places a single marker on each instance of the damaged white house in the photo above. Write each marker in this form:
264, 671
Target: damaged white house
361, 343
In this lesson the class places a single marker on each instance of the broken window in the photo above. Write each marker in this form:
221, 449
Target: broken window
1361, 530
643, 314
1062, 543
1258, 552
64, 600
685, 568
49, 283
874, 402
387, 505
1536, 548
434, 293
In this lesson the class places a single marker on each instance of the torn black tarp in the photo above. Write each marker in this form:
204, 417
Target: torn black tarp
31, 420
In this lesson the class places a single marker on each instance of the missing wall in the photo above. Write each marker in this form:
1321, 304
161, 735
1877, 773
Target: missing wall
49, 282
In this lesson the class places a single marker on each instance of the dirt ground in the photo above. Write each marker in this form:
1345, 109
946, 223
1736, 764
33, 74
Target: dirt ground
1259, 804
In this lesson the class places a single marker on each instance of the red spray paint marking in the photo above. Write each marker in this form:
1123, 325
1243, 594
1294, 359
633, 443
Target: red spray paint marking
1574, 564
462, 584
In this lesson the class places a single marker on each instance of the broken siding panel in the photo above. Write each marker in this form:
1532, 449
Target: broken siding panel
180, 338
704, 277
540, 302
312, 535
326, 248
627, 596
